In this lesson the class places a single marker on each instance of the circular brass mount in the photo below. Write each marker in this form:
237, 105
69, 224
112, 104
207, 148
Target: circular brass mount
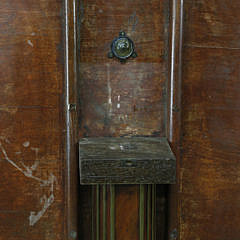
122, 48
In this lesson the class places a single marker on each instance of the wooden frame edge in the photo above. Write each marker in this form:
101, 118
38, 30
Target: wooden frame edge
174, 111
71, 163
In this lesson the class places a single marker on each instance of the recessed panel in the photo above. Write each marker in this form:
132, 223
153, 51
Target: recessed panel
122, 99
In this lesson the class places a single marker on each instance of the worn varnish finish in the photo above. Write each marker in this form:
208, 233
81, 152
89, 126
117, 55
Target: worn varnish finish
136, 160
174, 110
122, 99
210, 120
71, 188
127, 197
31, 120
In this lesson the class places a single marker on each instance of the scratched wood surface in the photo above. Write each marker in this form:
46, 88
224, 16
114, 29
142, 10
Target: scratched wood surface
210, 119
31, 189
135, 160
122, 99
31, 120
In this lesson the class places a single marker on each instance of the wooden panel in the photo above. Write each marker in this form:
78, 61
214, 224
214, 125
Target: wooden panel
127, 198
174, 112
123, 99
212, 23
31, 120
86, 212
135, 160
211, 97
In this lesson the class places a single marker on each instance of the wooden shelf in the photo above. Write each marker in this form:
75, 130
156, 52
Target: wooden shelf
136, 160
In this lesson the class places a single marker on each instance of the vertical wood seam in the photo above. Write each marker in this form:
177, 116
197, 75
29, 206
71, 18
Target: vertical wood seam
153, 212
97, 213
70, 197
141, 212
104, 208
149, 224
112, 212
174, 122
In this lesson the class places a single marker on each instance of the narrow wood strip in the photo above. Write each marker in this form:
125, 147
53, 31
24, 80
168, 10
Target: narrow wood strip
70, 93
153, 211
93, 213
112, 212
149, 201
141, 212
97, 213
104, 205
174, 108
136, 160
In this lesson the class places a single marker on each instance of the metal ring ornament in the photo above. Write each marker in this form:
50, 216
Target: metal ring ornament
122, 48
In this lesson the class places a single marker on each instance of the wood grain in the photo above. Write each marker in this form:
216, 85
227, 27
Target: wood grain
174, 111
210, 120
123, 99
31, 120
126, 161
127, 198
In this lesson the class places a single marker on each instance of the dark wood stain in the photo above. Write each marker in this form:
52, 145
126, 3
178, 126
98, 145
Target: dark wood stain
31, 120
135, 160
127, 198
122, 100
174, 114
204, 204
209, 172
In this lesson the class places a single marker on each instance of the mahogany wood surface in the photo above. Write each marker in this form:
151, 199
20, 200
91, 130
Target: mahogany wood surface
135, 160
204, 204
209, 170
119, 100
174, 111
31, 120
123, 99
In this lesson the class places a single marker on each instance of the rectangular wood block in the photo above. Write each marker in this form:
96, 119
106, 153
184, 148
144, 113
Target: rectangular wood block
136, 160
